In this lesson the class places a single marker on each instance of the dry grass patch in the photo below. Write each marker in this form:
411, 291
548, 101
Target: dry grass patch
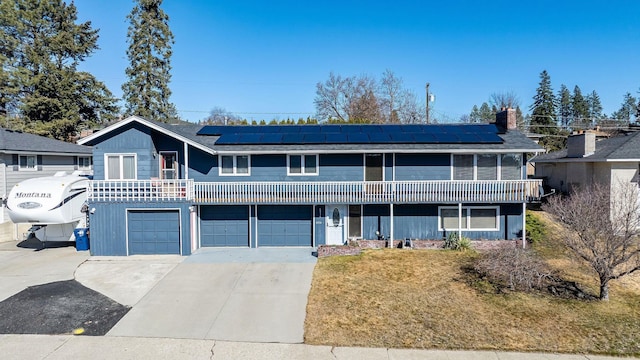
428, 299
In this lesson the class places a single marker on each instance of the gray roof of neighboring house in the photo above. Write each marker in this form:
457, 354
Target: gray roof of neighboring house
622, 147
16, 141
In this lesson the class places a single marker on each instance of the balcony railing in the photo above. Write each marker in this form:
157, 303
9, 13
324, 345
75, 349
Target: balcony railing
370, 192
140, 190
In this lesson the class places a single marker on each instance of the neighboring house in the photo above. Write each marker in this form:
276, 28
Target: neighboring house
162, 188
24, 156
586, 161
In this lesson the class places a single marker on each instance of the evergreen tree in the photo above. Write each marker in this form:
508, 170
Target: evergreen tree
579, 109
487, 115
595, 107
543, 111
627, 110
41, 46
146, 92
474, 116
564, 106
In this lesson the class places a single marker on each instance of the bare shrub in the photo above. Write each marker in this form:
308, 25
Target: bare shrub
514, 268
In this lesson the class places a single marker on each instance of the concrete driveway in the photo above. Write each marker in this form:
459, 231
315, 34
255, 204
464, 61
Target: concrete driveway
22, 267
255, 295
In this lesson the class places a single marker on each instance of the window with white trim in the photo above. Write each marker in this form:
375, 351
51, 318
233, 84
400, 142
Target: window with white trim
230, 165
474, 218
486, 166
120, 167
84, 162
28, 162
511, 167
302, 165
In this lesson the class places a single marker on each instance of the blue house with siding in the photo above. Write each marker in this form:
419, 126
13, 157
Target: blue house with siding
172, 189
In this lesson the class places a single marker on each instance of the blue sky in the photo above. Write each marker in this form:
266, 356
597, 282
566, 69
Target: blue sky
262, 59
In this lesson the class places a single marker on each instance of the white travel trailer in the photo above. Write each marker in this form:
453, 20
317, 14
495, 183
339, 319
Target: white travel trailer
52, 204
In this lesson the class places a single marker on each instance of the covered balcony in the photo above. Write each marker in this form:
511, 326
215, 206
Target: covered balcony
285, 192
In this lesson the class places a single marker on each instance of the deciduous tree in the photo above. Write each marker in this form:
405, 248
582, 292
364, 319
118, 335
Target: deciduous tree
146, 92
602, 229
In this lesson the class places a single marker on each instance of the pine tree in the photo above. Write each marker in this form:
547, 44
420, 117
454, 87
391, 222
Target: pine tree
486, 114
543, 109
41, 46
595, 107
579, 109
543, 112
474, 116
146, 92
564, 106
627, 110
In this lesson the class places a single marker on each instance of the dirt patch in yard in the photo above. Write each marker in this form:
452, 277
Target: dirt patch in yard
59, 308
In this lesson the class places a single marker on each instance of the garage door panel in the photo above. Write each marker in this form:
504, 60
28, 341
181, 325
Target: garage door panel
153, 231
285, 225
224, 226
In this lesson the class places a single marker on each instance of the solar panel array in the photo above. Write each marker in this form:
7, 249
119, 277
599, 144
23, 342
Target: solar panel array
354, 134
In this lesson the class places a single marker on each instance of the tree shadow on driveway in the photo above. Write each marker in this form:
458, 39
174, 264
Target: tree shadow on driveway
59, 308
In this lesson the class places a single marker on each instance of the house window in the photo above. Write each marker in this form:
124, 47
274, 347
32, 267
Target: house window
463, 167
511, 167
302, 165
355, 221
84, 162
234, 165
120, 167
28, 162
475, 218
486, 167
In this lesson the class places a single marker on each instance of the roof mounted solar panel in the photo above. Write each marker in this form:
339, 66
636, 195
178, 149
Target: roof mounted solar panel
379, 138
314, 138
292, 138
272, 138
402, 138
358, 138
336, 138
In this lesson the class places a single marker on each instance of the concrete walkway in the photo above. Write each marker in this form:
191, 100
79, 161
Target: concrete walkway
123, 348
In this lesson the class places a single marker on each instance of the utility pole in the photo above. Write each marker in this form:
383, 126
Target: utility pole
427, 103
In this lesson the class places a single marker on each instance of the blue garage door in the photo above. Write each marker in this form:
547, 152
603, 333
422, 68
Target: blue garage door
224, 226
284, 225
153, 231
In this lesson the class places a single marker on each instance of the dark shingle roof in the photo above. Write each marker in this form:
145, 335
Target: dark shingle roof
621, 147
16, 141
510, 140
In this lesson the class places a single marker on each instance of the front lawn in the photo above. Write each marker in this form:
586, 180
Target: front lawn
430, 299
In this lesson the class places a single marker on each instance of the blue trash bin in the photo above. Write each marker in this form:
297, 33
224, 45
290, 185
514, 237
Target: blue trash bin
82, 238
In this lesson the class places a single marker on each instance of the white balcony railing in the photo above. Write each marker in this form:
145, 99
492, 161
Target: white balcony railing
140, 190
381, 192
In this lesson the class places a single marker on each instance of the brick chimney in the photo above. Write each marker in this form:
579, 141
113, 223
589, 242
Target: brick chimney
581, 145
506, 119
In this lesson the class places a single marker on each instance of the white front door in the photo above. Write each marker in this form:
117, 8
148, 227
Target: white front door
336, 229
